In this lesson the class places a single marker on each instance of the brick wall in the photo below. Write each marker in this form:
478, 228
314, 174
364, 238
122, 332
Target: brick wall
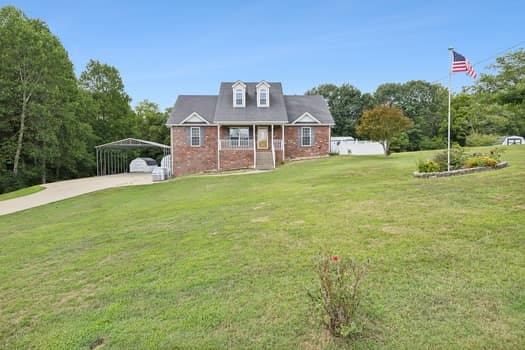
236, 159
190, 160
293, 148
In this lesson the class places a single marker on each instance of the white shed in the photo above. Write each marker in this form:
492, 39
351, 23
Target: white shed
513, 140
142, 165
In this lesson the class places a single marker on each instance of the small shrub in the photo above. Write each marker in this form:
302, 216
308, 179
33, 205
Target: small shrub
482, 161
338, 295
427, 166
457, 158
495, 153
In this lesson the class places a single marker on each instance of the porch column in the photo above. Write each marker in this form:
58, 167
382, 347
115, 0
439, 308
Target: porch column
218, 148
254, 150
282, 139
273, 150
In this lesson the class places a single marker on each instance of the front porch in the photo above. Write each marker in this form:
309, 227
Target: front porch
255, 146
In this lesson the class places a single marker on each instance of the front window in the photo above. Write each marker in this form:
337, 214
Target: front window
306, 136
238, 98
239, 137
263, 97
195, 137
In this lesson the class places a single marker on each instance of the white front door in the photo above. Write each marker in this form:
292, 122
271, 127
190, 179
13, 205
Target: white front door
262, 137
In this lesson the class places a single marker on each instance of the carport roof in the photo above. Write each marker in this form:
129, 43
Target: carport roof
131, 142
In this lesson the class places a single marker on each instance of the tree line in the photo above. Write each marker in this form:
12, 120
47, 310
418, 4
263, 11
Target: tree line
50, 120
492, 107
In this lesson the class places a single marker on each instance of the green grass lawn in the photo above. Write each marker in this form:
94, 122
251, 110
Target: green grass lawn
20, 193
225, 262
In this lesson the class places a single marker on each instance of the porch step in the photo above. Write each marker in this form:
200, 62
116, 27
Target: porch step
264, 160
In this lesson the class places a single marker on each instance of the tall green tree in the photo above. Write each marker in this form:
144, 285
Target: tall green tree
423, 102
152, 122
112, 117
501, 95
38, 88
382, 124
346, 104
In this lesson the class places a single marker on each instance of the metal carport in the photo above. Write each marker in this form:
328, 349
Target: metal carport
112, 158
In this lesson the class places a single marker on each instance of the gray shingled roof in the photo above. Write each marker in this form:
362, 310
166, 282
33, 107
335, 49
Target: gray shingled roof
219, 109
316, 105
225, 112
204, 105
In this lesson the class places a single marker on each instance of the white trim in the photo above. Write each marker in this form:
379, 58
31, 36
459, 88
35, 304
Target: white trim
263, 86
172, 153
191, 136
233, 122
195, 116
310, 136
259, 93
273, 149
263, 83
218, 148
239, 83
282, 140
308, 118
254, 148
243, 98
267, 136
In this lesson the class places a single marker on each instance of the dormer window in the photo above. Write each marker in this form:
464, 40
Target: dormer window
238, 98
263, 94
239, 94
263, 98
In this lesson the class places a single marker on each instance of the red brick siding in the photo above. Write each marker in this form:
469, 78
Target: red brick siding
293, 148
236, 159
189, 160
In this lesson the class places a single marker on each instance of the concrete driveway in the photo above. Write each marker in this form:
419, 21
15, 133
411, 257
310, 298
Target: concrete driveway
71, 188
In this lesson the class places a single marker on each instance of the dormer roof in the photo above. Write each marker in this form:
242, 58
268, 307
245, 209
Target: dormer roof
263, 83
239, 83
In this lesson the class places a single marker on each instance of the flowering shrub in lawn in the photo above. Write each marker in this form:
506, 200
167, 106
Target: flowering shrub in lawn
460, 160
338, 294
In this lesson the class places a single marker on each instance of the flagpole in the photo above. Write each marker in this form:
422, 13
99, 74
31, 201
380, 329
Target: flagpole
449, 98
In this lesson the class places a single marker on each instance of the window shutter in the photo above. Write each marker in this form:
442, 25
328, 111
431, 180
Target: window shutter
299, 136
201, 136
188, 136
313, 135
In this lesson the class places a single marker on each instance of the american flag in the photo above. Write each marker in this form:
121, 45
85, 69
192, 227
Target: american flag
461, 64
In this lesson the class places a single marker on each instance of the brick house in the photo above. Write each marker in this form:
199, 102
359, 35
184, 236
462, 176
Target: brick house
248, 125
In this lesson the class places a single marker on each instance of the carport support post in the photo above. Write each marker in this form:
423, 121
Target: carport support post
96, 152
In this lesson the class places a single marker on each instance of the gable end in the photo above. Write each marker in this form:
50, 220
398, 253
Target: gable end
194, 118
306, 118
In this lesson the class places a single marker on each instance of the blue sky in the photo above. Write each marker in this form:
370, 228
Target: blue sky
166, 48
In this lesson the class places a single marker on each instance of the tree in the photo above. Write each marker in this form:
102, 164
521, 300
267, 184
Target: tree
423, 102
152, 122
503, 93
112, 117
38, 87
383, 123
346, 105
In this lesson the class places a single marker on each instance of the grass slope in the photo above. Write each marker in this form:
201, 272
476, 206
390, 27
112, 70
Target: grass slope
225, 262
20, 193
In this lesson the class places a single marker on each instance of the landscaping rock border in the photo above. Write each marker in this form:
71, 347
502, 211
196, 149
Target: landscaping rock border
459, 171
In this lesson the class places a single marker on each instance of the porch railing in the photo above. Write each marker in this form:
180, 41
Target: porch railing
236, 144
